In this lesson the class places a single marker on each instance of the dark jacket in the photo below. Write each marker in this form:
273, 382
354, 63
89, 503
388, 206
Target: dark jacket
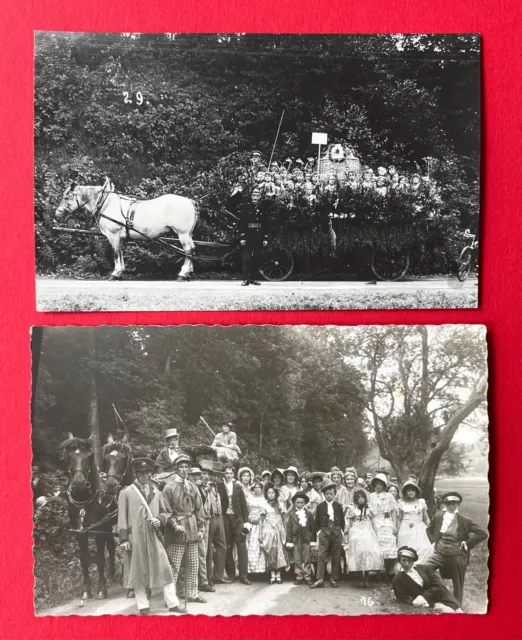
432, 590
321, 516
467, 530
253, 223
239, 503
295, 532
163, 461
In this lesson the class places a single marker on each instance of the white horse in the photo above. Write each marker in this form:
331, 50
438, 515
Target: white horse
120, 217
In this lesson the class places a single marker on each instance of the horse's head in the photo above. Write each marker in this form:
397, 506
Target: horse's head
79, 460
116, 458
71, 201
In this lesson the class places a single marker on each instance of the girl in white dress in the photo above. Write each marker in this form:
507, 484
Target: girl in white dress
413, 520
384, 507
363, 553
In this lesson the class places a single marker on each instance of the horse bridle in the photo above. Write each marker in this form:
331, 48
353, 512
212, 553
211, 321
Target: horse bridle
128, 458
99, 204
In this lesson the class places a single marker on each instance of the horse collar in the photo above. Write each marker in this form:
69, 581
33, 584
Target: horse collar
79, 503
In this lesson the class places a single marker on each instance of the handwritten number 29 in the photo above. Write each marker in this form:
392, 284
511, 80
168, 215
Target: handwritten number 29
127, 99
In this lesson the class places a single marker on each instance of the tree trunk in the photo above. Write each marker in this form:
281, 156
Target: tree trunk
432, 460
261, 432
94, 418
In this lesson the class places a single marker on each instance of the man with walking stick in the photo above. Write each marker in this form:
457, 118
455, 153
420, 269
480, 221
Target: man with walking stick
141, 512
185, 527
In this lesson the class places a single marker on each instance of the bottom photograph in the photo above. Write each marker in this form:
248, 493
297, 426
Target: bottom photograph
260, 470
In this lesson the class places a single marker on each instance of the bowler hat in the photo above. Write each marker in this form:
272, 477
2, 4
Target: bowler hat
328, 484
300, 494
143, 464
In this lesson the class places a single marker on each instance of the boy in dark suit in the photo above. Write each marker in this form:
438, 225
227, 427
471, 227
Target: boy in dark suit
454, 536
329, 524
300, 531
235, 519
420, 586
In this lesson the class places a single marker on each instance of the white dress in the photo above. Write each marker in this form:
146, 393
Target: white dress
363, 552
383, 504
412, 530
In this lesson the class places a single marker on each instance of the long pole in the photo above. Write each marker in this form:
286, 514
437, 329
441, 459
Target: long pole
319, 161
275, 141
206, 425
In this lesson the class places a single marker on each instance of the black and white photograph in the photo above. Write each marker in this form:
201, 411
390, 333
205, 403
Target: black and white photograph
256, 171
260, 470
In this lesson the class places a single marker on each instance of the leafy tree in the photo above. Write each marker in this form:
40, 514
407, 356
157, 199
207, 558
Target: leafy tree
421, 384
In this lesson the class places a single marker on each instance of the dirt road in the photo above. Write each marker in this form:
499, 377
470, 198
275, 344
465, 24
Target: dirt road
228, 295
235, 599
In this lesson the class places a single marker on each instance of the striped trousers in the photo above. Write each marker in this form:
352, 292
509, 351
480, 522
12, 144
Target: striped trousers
188, 550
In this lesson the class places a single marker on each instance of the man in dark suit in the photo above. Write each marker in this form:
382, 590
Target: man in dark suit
329, 524
420, 586
253, 237
454, 535
235, 519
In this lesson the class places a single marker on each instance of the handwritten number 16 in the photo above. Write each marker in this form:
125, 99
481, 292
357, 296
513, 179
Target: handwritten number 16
127, 99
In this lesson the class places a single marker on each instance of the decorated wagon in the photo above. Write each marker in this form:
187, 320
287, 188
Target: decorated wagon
335, 210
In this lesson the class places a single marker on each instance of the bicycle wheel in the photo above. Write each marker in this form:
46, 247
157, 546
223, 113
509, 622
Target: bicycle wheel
388, 264
276, 265
465, 263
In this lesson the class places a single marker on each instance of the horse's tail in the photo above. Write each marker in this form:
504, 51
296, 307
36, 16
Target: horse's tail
196, 216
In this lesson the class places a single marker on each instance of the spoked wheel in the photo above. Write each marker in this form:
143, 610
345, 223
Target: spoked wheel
389, 264
465, 263
276, 265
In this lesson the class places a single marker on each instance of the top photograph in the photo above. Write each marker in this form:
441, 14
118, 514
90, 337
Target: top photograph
229, 172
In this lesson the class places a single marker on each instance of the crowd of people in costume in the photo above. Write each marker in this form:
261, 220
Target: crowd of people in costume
297, 184
228, 524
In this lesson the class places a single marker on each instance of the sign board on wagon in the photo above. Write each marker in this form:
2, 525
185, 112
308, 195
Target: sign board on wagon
319, 139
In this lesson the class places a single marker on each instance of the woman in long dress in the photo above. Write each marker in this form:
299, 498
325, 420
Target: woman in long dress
256, 504
413, 520
245, 476
384, 507
363, 553
273, 535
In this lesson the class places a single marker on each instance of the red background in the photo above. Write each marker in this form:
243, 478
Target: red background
499, 23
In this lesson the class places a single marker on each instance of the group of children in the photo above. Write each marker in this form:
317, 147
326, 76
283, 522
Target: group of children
281, 182
316, 518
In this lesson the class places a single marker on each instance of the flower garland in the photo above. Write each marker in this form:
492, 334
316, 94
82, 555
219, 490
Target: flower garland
336, 153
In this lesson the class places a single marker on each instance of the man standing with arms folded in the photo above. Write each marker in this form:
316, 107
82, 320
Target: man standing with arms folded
185, 526
235, 518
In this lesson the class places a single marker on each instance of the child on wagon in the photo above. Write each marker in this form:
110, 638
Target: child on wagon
300, 532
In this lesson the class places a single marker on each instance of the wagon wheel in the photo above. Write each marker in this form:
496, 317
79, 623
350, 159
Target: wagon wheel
465, 263
276, 265
389, 264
